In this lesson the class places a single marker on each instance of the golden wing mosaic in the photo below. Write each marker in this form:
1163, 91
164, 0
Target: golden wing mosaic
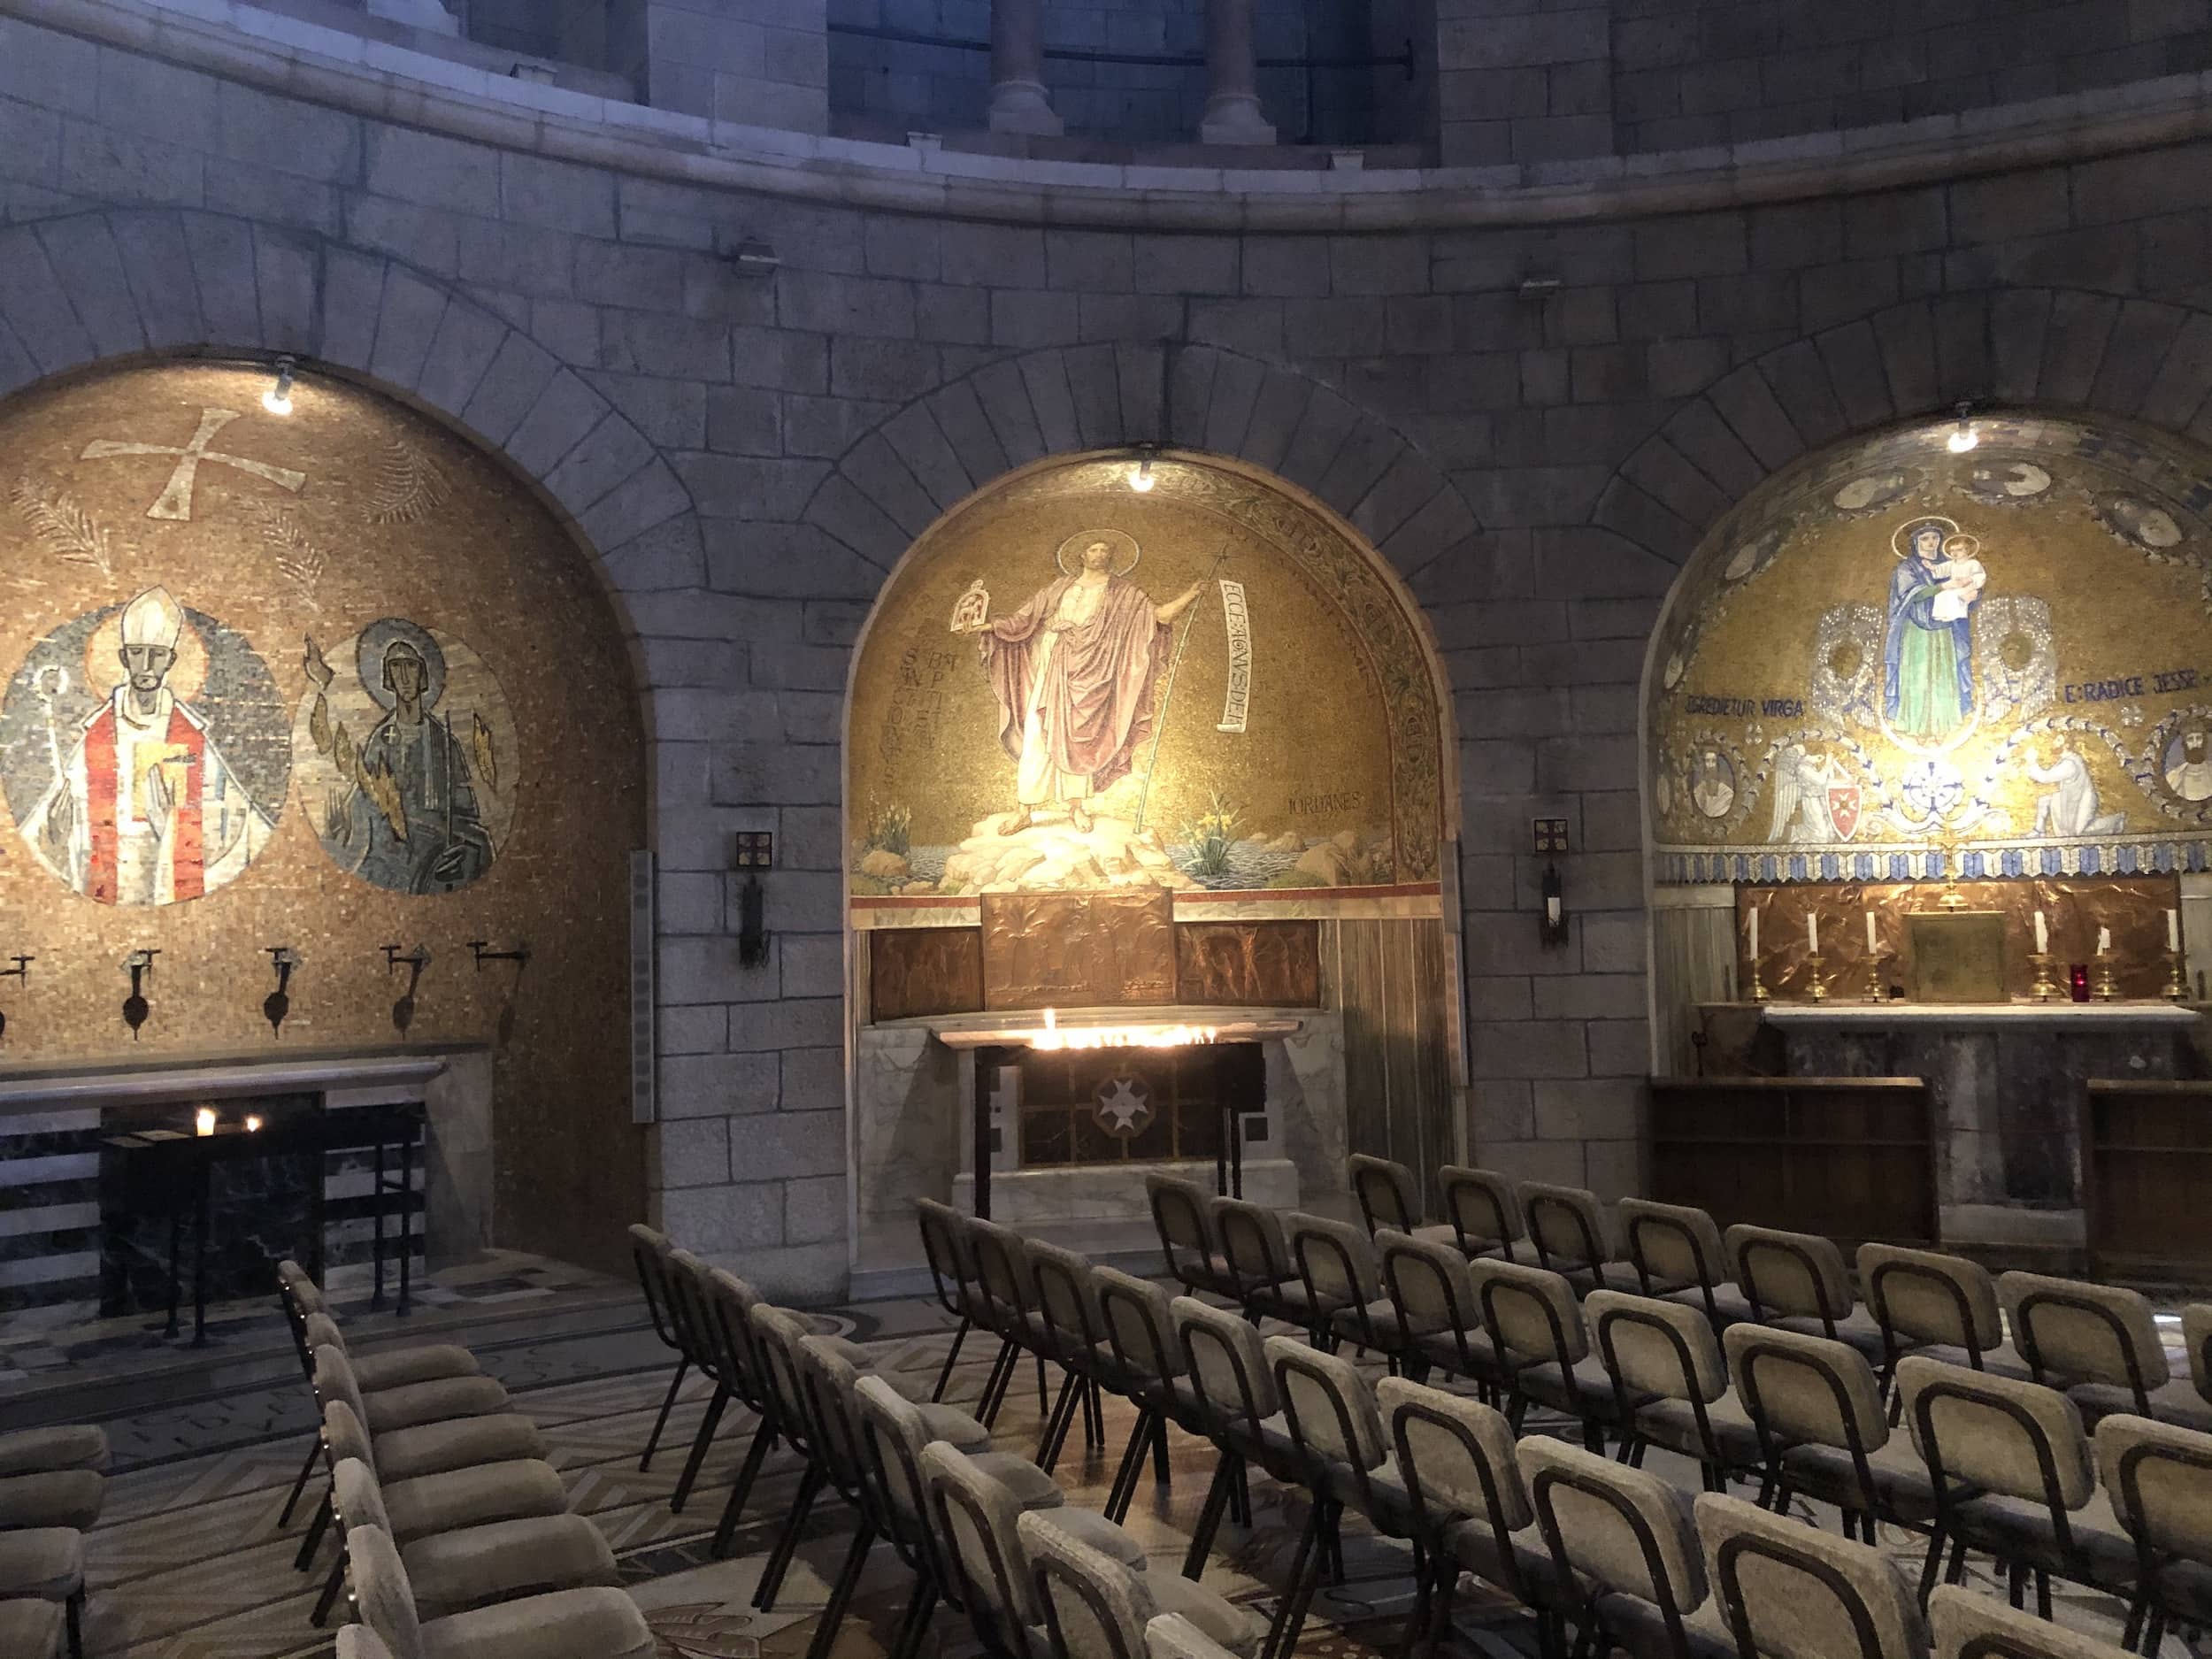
1915, 659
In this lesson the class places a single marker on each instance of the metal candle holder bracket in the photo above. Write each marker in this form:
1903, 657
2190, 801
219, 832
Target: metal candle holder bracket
518, 956
417, 960
21, 970
139, 964
277, 1003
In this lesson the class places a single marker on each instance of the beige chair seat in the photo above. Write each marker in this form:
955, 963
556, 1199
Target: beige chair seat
1858, 1327
569, 1624
44, 1564
2177, 1402
473, 1497
2003, 1360
400, 1367
1901, 1479
954, 1426
1729, 1302
42, 1451
435, 1448
1032, 1486
1673, 1424
1218, 1618
1523, 1555
455, 1572
1442, 1350
1087, 1527
2020, 1527
32, 1630
412, 1405
1586, 1391
64, 1497
1430, 1232
1639, 1629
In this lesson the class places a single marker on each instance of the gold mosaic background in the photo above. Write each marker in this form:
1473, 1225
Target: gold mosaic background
1342, 744
393, 518
2089, 623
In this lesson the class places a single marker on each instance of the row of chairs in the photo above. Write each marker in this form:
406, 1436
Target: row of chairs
453, 1530
1445, 1474
52, 1486
2099, 1342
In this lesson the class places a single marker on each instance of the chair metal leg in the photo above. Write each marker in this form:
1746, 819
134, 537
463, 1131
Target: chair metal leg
1957, 1573
787, 1543
313, 1541
1314, 1551
653, 1441
1928, 1568
2042, 1594
1440, 1602
841, 1592
331, 1586
2017, 1582
1123, 1491
73, 1611
1201, 1539
1094, 1417
700, 1442
915, 1626
1240, 1496
2137, 1607
763, 1439
995, 1385
959, 1335
1160, 1472
1056, 1422
307, 1468
1042, 1390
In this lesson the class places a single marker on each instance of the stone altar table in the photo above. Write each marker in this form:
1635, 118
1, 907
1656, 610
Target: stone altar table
2008, 1084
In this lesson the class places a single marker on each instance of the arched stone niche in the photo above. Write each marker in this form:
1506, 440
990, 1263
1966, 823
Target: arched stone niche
386, 703
1236, 728
1953, 651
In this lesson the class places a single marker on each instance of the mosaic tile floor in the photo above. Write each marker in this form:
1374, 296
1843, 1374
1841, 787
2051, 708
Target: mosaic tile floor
189, 1563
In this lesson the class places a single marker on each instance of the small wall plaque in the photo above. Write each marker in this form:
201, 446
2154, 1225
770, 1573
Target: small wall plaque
1958, 955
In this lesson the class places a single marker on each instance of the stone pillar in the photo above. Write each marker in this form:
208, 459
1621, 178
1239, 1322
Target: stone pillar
1233, 78
1019, 103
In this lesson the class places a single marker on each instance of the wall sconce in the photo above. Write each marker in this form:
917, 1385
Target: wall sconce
1551, 845
278, 399
139, 964
277, 1003
1963, 437
1140, 476
21, 970
756, 852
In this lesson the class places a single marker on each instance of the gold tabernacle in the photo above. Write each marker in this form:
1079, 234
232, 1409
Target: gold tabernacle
1958, 955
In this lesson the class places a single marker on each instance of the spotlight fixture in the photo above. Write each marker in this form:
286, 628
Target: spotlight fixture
1964, 437
1140, 477
278, 399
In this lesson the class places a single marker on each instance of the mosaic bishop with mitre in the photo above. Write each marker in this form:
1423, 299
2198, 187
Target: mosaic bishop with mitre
1074, 672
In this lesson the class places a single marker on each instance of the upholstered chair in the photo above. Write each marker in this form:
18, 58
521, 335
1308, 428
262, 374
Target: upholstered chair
1944, 1307
44, 1451
33, 1629
1534, 1323
2158, 1477
1572, 1236
1096, 1606
596, 1624
1187, 1246
2099, 1342
1970, 1625
1390, 1196
44, 1565
1435, 1301
1678, 1254
1484, 1208
58, 1497
1798, 1281
1784, 1590
1671, 1380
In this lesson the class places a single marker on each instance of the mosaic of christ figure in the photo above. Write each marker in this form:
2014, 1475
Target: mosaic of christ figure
1074, 673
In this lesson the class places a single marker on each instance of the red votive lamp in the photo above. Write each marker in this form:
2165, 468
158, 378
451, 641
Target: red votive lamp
2078, 976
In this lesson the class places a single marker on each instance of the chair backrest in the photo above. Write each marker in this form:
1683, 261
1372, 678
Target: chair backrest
687, 1307
1674, 1246
1788, 1591
334, 1384
1094, 1607
2158, 1477
322, 1332
1803, 1389
777, 1335
978, 1517
648, 1252
1566, 1224
344, 1436
893, 1433
1791, 1275
1226, 1360
1921, 1296
1178, 1215
1335, 1259
1972, 1624
1140, 1323
359, 1641
2196, 1337
1067, 1297
727, 1311
1483, 1206
1656, 1346
944, 1245
1171, 1636
356, 1499
832, 1408
303, 1294
1330, 1409
1252, 1241
1628, 1530
1427, 1284
2078, 1332
1388, 1194
381, 1595
1001, 1266
1530, 1312
1997, 1433
1455, 1456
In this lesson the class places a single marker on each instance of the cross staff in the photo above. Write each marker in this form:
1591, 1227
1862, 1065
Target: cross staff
1167, 697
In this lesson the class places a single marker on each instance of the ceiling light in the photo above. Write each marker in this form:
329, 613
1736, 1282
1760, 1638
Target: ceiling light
1964, 437
1141, 478
278, 399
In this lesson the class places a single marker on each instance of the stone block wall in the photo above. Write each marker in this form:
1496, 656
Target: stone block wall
748, 455
764, 63
1522, 80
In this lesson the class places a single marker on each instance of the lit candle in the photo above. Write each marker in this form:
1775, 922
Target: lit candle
252, 1122
2042, 936
2173, 930
1872, 944
1812, 933
1751, 918
2104, 941
204, 1120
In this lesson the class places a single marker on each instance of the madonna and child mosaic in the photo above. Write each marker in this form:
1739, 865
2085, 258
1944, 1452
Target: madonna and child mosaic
1921, 658
146, 751
1203, 687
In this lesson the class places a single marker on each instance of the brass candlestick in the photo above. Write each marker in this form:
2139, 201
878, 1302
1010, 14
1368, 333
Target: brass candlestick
1812, 965
2046, 987
2177, 981
1875, 976
1758, 990
2107, 991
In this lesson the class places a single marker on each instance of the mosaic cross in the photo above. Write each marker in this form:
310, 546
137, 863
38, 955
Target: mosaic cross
175, 501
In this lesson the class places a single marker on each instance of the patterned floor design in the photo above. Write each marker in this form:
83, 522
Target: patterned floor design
188, 1561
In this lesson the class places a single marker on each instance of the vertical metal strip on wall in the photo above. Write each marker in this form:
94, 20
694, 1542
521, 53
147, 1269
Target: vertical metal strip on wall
644, 1076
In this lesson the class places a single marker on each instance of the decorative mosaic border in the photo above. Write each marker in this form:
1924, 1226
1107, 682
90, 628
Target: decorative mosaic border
2133, 856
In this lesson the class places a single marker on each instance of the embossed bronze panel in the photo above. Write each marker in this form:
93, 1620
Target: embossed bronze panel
1079, 949
917, 972
1249, 965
